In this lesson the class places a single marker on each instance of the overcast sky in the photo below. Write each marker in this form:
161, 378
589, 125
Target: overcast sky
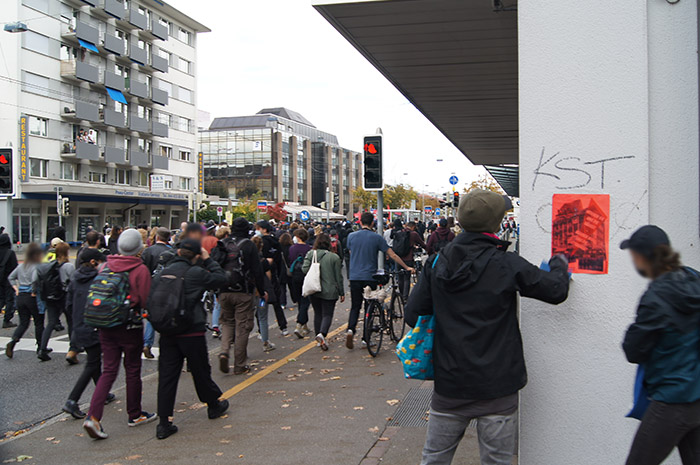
269, 53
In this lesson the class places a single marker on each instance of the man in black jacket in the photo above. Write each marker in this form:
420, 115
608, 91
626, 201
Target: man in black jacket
202, 274
272, 250
237, 299
8, 262
155, 256
471, 287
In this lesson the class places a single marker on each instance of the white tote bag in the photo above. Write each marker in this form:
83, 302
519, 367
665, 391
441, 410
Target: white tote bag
312, 281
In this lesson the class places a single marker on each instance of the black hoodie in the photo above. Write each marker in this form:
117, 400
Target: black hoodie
471, 287
83, 336
7, 256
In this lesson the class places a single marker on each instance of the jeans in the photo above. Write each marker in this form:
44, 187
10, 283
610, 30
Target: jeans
323, 314
237, 321
216, 313
53, 310
445, 431
263, 323
357, 288
664, 427
303, 315
7, 300
92, 371
149, 334
173, 352
115, 342
26, 308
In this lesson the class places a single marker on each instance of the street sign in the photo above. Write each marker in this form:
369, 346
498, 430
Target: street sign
304, 215
428, 208
262, 204
220, 211
454, 180
437, 211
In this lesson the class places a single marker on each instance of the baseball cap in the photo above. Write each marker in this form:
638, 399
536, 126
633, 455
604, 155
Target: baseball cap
646, 239
192, 245
91, 254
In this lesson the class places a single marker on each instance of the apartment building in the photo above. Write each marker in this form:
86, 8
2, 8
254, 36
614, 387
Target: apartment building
101, 94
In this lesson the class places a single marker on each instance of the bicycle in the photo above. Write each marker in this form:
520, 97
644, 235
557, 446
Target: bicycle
381, 319
418, 258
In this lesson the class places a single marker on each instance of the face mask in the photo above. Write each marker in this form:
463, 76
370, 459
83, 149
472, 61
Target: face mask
295, 240
258, 233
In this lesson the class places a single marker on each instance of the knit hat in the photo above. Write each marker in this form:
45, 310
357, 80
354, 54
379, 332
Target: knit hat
240, 226
130, 242
482, 211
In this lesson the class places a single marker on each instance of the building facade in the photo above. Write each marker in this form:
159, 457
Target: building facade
279, 154
104, 94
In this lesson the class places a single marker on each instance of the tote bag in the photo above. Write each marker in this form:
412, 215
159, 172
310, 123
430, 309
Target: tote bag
415, 350
312, 281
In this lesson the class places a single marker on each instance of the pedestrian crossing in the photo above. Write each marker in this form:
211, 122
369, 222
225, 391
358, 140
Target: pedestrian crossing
59, 344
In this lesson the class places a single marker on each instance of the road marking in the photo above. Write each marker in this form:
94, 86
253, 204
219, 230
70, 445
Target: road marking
59, 344
278, 364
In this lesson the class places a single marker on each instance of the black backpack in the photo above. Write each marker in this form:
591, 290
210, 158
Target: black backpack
49, 277
163, 260
166, 308
229, 254
402, 243
440, 244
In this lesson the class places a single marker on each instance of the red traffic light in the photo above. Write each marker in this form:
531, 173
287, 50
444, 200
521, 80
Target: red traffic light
370, 148
3, 160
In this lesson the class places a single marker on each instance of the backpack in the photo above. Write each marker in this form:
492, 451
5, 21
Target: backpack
296, 269
402, 243
335, 246
166, 309
163, 260
440, 244
49, 277
230, 257
107, 304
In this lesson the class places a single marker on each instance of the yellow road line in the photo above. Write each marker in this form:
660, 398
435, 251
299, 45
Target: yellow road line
278, 364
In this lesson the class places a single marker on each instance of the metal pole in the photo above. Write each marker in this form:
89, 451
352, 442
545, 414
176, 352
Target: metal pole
58, 205
328, 205
380, 224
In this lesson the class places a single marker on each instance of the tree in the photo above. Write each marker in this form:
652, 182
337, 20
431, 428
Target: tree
364, 199
277, 212
399, 196
485, 182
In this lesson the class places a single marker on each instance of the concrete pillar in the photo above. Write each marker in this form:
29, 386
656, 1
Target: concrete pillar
293, 180
277, 156
341, 175
599, 81
309, 172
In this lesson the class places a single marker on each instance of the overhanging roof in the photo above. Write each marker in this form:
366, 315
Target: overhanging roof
455, 60
508, 176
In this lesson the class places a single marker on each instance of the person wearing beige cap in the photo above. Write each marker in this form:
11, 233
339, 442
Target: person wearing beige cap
471, 288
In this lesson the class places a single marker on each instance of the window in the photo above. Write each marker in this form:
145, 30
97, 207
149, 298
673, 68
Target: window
69, 171
123, 177
183, 35
185, 155
144, 179
36, 42
166, 86
184, 94
38, 168
168, 184
166, 151
143, 112
184, 65
97, 177
38, 126
185, 184
165, 118
36, 84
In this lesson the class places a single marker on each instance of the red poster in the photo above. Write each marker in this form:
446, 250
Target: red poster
580, 229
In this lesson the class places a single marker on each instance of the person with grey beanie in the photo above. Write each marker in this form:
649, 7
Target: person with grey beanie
471, 288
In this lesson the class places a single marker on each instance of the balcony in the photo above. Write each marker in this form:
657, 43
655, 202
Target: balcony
139, 124
68, 149
86, 32
158, 30
87, 151
114, 118
79, 71
115, 155
114, 81
113, 8
160, 163
136, 19
159, 129
138, 88
87, 111
137, 54
139, 158
159, 96
159, 63
114, 44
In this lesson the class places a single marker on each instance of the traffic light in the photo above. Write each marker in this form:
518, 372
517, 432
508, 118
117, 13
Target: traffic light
336, 202
6, 177
373, 179
65, 206
455, 201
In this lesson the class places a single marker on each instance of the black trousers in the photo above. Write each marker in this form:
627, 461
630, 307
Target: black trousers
405, 281
664, 427
173, 352
54, 308
323, 314
7, 300
91, 371
356, 291
27, 308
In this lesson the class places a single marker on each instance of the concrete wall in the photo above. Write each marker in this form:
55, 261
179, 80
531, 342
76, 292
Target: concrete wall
600, 80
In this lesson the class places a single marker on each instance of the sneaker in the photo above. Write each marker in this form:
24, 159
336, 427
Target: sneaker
217, 410
364, 344
43, 355
72, 357
223, 363
216, 332
298, 331
143, 419
94, 429
268, 346
72, 409
284, 332
165, 431
10, 349
349, 336
241, 370
110, 398
321, 341
8, 324
148, 353
305, 331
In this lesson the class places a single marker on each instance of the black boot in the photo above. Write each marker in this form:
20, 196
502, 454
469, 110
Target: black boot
166, 430
73, 410
10, 349
43, 355
218, 409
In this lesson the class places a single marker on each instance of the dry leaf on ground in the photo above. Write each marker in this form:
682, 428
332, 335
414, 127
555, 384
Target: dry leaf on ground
392, 402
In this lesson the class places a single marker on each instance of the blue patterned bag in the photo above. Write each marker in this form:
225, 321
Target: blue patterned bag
416, 350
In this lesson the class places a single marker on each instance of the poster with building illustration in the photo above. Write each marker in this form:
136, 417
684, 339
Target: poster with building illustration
580, 227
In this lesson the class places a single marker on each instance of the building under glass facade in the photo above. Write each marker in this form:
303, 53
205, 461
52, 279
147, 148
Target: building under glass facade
279, 154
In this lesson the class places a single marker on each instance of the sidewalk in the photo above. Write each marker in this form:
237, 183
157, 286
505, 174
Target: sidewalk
300, 405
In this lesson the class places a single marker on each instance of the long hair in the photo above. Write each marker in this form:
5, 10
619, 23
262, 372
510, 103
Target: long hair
62, 251
323, 242
663, 260
286, 239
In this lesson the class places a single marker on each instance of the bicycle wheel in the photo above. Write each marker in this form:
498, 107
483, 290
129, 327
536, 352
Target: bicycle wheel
373, 330
396, 320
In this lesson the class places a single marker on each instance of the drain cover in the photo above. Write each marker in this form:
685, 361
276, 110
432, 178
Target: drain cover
412, 411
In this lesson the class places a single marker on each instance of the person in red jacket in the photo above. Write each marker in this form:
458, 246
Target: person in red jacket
440, 238
126, 339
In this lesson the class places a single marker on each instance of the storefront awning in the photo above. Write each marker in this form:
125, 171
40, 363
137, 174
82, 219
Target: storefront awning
116, 95
455, 60
88, 45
